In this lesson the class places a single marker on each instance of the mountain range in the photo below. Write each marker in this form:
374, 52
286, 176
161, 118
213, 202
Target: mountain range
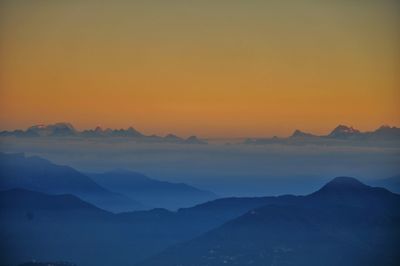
38, 174
116, 191
339, 133
63, 130
344, 223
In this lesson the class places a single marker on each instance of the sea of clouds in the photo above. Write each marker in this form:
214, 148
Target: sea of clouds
227, 169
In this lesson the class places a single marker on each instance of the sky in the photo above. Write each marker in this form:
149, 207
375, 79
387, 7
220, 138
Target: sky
209, 68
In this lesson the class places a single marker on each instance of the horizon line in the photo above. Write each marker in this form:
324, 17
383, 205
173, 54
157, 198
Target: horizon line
80, 129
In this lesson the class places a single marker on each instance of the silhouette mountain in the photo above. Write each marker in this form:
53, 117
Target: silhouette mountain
63, 227
59, 233
344, 223
37, 174
152, 192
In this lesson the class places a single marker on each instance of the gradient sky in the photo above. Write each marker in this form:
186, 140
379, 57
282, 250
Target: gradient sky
210, 68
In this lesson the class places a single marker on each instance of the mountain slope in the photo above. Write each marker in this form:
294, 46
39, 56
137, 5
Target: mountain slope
152, 192
38, 174
391, 183
45, 227
336, 225
21, 199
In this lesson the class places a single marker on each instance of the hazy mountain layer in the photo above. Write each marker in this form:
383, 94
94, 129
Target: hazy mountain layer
38, 174
152, 192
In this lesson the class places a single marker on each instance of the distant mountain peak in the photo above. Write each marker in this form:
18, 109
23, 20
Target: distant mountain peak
133, 130
172, 137
194, 140
385, 127
344, 131
345, 181
298, 134
57, 129
387, 130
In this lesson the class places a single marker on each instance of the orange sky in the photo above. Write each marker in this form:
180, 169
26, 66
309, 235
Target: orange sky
210, 68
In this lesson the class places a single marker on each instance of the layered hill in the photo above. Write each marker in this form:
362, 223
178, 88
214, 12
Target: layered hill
38, 174
151, 192
344, 223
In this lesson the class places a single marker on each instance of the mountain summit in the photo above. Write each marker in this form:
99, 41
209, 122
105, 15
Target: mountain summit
344, 183
57, 129
300, 134
343, 131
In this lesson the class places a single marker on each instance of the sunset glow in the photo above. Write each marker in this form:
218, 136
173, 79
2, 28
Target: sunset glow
200, 67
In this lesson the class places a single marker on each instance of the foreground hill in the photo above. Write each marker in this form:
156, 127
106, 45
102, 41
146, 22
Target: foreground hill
152, 192
344, 223
44, 227
37, 174
344, 219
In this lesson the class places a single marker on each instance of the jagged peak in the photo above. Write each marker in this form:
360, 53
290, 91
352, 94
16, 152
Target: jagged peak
343, 130
55, 125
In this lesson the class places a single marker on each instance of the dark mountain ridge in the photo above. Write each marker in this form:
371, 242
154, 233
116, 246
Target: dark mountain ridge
336, 225
343, 223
